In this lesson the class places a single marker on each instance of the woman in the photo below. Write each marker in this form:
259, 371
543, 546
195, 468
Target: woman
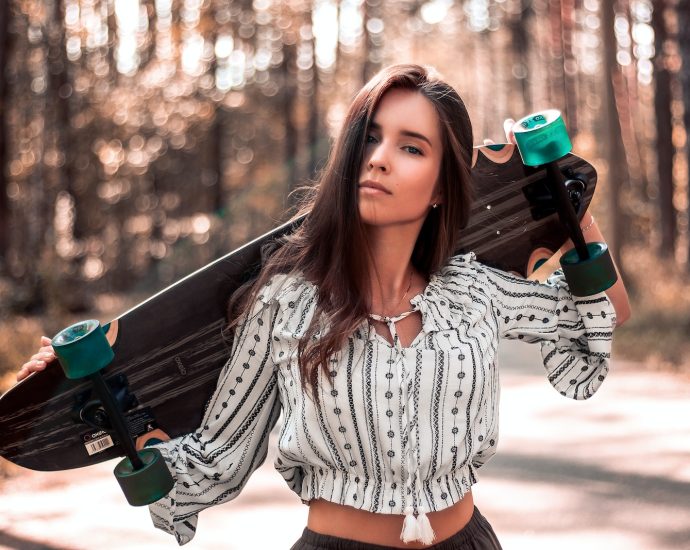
378, 345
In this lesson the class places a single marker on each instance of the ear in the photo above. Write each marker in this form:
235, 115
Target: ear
436, 198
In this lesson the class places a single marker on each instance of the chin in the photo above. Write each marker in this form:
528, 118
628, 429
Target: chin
368, 215
384, 217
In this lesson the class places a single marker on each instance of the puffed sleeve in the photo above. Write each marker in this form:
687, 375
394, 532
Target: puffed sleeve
575, 333
212, 465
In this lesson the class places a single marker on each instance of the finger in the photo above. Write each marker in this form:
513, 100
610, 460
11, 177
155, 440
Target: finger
43, 356
36, 359
36, 364
27, 369
48, 350
45, 340
508, 130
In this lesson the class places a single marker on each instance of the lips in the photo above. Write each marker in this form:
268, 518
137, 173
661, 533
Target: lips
368, 184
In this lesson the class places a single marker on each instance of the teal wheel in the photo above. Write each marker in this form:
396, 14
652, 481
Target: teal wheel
148, 484
540, 262
590, 276
82, 349
542, 137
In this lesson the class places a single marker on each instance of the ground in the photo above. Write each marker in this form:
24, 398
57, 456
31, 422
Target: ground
609, 473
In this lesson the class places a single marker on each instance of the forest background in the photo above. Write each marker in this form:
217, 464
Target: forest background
141, 139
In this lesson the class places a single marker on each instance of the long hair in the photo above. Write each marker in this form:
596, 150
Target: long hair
330, 247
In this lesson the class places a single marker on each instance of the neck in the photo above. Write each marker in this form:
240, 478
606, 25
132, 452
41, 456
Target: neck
391, 267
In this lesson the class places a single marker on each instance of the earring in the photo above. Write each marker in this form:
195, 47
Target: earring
434, 205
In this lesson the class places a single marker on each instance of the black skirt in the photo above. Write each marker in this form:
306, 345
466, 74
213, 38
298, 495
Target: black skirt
476, 535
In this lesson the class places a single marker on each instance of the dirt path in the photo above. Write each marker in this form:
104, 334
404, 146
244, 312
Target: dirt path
609, 473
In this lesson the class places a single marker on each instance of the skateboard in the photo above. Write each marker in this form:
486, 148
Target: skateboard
156, 365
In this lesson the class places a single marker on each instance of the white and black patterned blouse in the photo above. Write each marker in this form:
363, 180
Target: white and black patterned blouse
398, 428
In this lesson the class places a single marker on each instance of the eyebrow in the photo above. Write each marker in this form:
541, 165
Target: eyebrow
409, 133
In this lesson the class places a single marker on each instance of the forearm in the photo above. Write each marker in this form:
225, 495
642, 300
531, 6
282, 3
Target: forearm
617, 293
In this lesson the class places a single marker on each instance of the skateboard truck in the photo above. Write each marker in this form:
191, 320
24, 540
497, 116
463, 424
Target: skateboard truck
83, 351
542, 139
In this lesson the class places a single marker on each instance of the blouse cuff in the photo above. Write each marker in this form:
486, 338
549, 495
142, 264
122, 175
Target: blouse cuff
163, 510
577, 361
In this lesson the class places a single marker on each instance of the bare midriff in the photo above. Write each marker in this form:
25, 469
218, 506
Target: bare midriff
329, 518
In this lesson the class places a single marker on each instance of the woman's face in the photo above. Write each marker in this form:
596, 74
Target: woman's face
398, 181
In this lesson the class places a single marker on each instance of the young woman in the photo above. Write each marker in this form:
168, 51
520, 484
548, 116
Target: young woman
378, 345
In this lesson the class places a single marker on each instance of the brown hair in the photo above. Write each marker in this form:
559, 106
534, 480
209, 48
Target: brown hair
328, 246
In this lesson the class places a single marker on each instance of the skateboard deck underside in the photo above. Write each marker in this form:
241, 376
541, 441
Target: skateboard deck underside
170, 348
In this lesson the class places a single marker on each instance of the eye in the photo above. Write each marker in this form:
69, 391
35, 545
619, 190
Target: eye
371, 139
413, 150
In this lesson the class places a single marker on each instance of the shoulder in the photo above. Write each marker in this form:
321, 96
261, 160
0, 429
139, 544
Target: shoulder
456, 292
464, 263
293, 300
287, 289
467, 288
468, 267
461, 271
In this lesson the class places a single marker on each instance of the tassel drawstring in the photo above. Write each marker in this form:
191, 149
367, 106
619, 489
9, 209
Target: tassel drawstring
425, 533
417, 528
410, 530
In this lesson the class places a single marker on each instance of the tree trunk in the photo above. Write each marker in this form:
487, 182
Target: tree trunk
556, 61
371, 54
684, 43
569, 66
617, 166
61, 284
664, 129
519, 32
289, 103
313, 128
219, 145
5, 46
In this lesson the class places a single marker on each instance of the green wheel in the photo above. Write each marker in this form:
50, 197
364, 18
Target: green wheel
148, 484
82, 349
542, 137
540, 262
591, 276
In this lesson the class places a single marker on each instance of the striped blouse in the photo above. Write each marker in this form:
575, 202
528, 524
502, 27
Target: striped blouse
399, 429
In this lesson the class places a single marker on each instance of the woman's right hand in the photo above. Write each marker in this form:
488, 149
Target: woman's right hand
153, 434
39, 360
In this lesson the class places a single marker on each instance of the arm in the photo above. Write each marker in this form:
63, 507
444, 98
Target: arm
575, 333
617, 293
213, 464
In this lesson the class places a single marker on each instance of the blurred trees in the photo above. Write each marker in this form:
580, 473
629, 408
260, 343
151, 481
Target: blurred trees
143, 138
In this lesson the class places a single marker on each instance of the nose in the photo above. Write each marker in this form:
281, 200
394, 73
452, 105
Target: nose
378, 159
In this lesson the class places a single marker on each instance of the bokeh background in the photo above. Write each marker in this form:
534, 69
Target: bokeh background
143, 138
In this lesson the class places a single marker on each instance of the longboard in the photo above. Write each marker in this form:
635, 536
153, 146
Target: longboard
170, 349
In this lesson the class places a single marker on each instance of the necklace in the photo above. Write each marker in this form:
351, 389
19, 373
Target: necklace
409, 286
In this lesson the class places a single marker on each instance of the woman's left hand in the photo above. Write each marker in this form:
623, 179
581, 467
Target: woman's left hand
508, 129
617, 293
